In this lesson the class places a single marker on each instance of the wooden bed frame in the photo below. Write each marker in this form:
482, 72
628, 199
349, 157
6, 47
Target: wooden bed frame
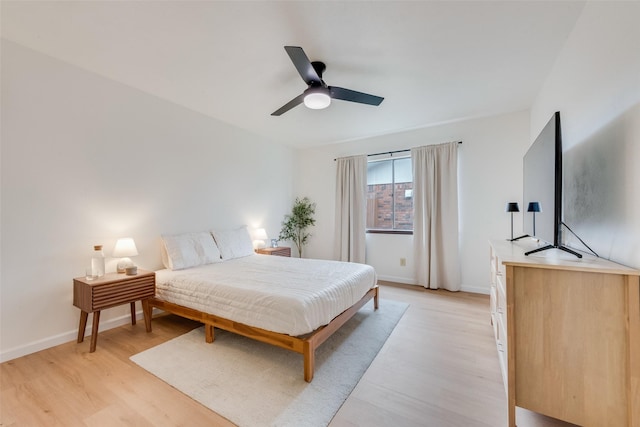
304, 344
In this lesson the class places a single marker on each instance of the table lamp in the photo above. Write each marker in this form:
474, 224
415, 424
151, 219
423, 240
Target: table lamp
511, 208
259, 236
124, 249
534, 207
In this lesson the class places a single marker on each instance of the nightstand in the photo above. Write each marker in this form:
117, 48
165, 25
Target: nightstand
110, 290
279, 251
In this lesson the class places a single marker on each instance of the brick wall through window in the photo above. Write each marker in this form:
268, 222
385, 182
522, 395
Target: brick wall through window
380, 206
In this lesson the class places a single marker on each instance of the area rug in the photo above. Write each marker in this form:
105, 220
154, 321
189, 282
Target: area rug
254, 384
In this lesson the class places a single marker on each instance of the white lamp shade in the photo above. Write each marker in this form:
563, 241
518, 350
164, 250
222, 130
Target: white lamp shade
260, 234
125, 247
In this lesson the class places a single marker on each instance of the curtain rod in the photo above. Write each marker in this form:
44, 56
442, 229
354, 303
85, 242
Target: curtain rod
391, 153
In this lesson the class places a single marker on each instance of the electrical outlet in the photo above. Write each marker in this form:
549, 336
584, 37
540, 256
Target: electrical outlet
403, 262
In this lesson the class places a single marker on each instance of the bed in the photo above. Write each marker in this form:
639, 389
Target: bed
296, 304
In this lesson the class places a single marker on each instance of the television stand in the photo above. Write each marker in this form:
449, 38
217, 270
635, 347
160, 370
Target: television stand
563, 248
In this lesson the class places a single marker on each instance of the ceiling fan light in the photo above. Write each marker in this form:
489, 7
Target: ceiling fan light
317, 100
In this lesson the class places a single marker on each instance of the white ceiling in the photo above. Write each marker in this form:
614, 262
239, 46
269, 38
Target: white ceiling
433, 61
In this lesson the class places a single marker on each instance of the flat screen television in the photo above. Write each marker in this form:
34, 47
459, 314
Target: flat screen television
543, 188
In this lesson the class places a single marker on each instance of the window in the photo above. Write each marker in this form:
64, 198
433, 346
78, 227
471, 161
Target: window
390, 195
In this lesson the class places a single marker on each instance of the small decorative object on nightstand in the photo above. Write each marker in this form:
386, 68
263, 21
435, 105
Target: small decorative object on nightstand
279, 251
110, 290
97, 262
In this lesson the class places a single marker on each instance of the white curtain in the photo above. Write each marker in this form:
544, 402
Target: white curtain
435, 221
351, 208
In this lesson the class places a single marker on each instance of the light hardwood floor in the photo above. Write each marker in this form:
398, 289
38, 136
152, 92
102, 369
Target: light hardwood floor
438, 368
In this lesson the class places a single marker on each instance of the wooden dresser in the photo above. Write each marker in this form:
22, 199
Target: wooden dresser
568, 334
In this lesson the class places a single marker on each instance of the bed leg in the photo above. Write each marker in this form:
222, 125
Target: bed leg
375, 298
208, 333
309, 356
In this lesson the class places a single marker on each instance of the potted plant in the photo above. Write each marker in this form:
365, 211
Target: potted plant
295, 225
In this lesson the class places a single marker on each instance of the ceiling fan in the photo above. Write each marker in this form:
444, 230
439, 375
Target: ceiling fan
318, 95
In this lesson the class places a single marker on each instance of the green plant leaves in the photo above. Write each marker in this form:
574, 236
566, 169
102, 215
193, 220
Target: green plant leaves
294, 225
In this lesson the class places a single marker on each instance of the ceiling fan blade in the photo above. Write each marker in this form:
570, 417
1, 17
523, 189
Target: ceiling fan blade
302, 64
289, 105
354, 96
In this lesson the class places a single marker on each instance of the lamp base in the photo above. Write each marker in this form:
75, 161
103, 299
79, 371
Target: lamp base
123, 264
259, 244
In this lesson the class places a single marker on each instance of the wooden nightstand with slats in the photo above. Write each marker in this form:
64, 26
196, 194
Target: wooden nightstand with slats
111, 290
279, 251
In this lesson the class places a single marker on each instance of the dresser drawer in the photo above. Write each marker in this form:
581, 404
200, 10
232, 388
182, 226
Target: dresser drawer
501, 301
111, 295
503, 349
493, 266
493, 299
112, 290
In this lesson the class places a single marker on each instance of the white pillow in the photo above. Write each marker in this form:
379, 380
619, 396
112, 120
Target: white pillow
189, 250
234, 243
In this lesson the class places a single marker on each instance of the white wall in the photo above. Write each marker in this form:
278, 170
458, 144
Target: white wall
86, 160
595, 84
490, 175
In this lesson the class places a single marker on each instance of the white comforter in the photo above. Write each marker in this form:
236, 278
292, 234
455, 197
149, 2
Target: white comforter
286, 295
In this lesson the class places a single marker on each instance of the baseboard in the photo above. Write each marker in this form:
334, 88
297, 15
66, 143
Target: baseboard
396, 279
474, 289
65, 337
407, 281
